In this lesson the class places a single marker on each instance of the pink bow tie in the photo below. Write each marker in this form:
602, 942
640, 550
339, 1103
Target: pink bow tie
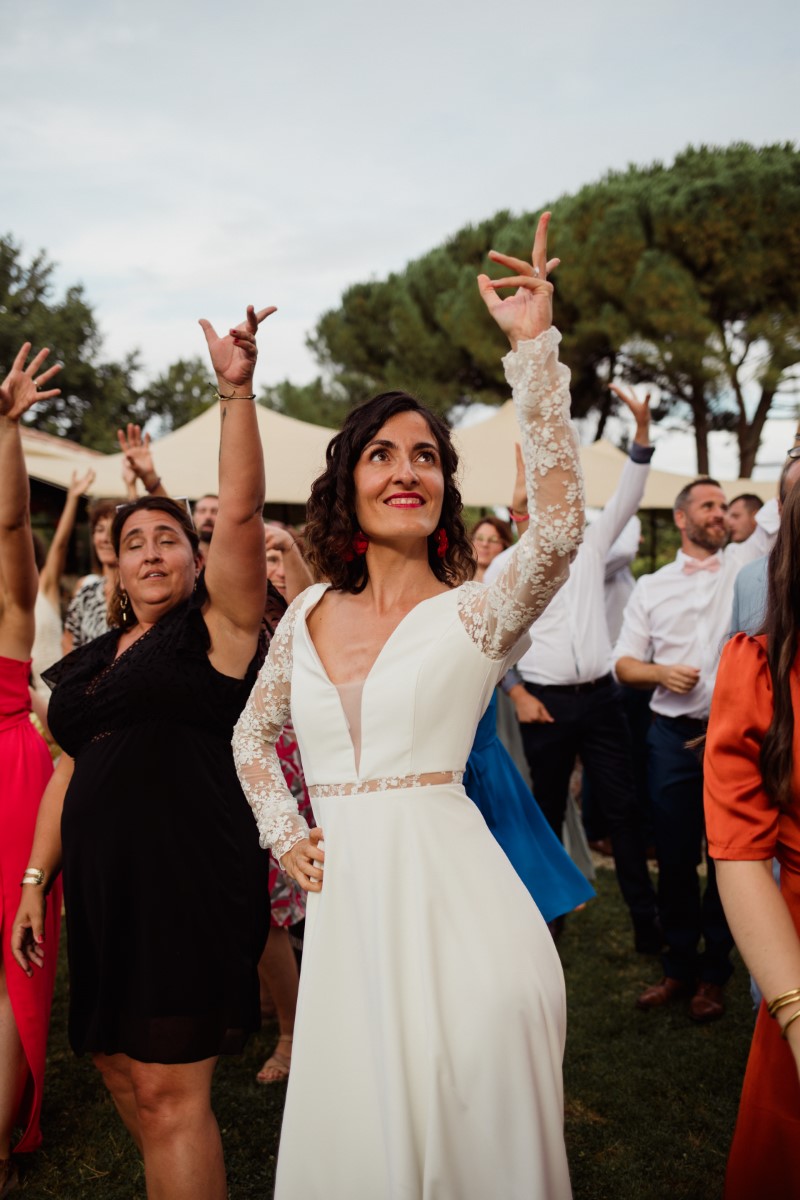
692, 565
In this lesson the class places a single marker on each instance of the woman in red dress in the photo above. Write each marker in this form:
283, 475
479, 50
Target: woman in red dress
752, 800
25, 768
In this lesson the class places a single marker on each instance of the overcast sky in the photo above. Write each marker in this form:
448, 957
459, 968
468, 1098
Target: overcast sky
181, 159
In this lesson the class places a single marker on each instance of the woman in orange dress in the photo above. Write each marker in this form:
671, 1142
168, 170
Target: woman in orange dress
752, 801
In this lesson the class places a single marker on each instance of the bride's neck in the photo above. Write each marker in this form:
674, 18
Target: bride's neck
397, 580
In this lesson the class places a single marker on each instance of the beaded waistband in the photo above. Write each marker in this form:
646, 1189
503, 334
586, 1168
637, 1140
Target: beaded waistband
385, 784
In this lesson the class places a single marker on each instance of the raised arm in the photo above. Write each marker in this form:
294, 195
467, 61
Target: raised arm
54, 564
627, 496
281, 828
18, 392
236, 573
138, 462
296, 572
496, 616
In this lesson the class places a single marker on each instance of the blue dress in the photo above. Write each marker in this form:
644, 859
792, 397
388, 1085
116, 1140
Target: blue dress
493, 782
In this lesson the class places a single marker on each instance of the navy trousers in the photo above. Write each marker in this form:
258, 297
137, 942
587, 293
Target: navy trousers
591, 723
687, 916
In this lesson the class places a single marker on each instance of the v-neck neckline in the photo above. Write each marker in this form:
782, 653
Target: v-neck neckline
379, 655
357, 757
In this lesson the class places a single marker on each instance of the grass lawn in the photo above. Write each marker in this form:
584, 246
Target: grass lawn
650, 1098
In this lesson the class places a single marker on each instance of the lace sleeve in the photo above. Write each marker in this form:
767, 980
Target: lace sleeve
496, 616
257, 730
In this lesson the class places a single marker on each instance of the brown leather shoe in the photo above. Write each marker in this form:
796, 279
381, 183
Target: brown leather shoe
661, 993
708, 1003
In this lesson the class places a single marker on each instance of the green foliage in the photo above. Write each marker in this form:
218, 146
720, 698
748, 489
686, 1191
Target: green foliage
314, 402
685, 275
180, 394
96, 396
689, 276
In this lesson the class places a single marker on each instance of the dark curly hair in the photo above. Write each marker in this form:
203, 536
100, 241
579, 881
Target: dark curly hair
331, 521
164, 504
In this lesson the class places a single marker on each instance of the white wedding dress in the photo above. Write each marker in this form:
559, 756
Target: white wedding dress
431, 1019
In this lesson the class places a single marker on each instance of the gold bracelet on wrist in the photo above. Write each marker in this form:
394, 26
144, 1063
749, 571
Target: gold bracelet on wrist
793, 1017
782, 1000
33, 877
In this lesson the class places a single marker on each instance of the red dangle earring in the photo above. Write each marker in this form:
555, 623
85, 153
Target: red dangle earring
442, 542
360, 543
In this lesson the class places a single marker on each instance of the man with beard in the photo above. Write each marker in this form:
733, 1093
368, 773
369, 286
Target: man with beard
672, 634
204, 514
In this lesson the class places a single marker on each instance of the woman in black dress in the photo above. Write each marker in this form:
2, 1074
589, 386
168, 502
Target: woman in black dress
165, 885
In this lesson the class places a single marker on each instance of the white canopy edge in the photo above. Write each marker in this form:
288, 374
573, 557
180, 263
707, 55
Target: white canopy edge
294, 453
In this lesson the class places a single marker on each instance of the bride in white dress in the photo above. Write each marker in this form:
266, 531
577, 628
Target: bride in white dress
431, 1018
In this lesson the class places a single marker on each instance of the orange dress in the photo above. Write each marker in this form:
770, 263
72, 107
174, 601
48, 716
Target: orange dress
743, 823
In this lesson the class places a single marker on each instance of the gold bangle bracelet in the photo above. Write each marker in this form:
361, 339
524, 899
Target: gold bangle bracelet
783, 999
33, 877
793, 1017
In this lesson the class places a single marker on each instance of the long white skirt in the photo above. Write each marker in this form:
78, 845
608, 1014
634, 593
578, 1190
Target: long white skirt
431, 1020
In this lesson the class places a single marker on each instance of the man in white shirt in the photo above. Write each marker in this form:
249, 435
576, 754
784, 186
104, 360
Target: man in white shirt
569, 704
672, 633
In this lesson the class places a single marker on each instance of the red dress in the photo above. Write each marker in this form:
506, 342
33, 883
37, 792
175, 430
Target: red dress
25, 768
743, 823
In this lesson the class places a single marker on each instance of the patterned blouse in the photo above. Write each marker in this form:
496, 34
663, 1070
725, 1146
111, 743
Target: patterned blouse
87, 615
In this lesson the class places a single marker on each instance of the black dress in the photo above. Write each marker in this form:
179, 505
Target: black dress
165, 885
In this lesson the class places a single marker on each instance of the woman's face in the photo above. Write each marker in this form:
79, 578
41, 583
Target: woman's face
275, 571
101, 540
487, 543
156, 564
399, 481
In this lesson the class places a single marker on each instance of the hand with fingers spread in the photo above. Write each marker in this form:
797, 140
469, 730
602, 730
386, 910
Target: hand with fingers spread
234, 357
529, 311
305, 861
22, 387
79, 484
138, 463
639, 409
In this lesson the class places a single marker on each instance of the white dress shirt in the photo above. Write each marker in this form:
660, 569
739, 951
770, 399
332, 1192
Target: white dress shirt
619, 577
674, 617
570, 641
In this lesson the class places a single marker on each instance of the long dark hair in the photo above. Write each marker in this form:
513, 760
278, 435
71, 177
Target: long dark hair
782, 627
331, 522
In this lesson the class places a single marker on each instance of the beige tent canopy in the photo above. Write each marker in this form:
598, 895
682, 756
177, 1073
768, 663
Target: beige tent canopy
294, 453
187, 459
487, 468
